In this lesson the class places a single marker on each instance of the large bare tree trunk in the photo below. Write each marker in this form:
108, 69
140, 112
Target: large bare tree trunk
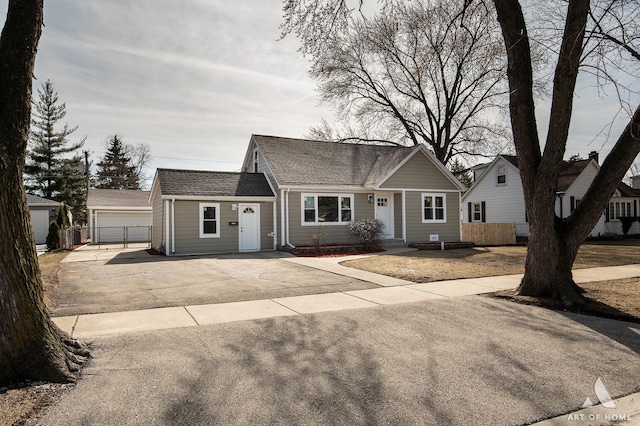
554, 243
31, 346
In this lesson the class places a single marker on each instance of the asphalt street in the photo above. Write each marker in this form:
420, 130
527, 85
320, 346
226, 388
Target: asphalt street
467, 360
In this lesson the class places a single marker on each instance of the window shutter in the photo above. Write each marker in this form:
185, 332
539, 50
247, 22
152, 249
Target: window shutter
635, 208
572, 201
484, 211
606, 213
470, 211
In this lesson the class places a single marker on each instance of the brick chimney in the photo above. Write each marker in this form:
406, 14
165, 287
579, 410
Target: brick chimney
594, 156
636, 182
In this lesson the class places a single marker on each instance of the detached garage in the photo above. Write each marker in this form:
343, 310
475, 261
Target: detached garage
42, 211
119, 216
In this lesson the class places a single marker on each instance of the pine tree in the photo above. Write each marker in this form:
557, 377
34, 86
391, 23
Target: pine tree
461, 172
48, 171
116, 170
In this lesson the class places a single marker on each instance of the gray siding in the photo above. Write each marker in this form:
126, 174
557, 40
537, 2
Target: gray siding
157, 239
419, 173
330, 234
266, 226
397, 215
420, 232
187, 229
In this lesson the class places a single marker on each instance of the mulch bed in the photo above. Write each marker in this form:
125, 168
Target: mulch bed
448, 245
332, 250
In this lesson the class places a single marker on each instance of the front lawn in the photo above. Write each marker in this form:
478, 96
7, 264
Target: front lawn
619, 299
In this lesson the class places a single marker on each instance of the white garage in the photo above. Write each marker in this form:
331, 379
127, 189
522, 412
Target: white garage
42, 212
119, 216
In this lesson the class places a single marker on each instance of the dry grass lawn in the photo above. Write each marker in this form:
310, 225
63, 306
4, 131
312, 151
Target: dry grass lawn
49, 268
427, 265
618, 299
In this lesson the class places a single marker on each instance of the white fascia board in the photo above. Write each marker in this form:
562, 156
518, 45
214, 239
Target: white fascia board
249, 152
49, 205
155, 187
122, 208
307, 188
418, 190
486, 173
216, 198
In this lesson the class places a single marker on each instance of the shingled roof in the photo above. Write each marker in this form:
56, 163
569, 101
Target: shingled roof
212, 184
100, 197
34, 200
301, 162
568, 174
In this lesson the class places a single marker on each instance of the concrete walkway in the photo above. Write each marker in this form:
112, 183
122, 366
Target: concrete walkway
391, 291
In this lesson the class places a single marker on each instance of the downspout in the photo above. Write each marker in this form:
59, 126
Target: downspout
282, 221
287, 220
173, 225
404, 215
167, 241
460, 215
275, 226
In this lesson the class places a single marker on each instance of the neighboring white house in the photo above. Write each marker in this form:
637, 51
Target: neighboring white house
117, 216
42, 211
496, 195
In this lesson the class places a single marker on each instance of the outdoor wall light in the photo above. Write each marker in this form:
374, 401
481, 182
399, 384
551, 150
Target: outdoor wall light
370, 198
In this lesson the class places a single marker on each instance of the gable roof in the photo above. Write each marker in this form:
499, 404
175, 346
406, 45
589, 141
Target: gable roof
627, 191
34, 200
570, 170
212, 184
302, 162
99, 197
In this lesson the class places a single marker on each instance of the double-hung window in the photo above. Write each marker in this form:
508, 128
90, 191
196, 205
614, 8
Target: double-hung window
501, 175
434, 208
619, 209
326, 209
209, 220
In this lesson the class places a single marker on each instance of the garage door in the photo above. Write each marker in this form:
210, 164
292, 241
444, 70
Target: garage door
40, 225
116, 227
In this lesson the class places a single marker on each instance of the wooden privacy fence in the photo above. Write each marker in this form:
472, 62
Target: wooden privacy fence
489, 234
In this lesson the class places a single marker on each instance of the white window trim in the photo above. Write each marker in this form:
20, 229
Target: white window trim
201, 223
320, 194
498, 174
444, 207
623, 205
473, 211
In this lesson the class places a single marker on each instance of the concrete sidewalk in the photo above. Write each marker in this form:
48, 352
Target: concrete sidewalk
391, 291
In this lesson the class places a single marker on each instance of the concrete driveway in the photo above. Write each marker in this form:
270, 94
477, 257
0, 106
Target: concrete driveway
97, 281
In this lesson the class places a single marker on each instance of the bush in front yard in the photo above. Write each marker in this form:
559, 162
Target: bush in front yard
626, 222
53, 237
368, 231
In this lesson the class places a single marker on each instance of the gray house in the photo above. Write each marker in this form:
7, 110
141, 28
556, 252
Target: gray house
291, 191
43, 211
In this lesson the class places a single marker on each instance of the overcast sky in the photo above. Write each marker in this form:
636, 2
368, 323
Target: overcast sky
195, 78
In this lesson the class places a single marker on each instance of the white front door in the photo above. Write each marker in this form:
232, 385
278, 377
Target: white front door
249, 224
384, 213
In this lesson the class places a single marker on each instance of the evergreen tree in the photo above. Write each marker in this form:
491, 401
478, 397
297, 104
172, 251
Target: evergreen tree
461, 172
116, 170
48, 170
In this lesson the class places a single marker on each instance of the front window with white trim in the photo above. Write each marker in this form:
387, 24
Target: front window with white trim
501, 174
434, 208
209, 220
619, 209
330, 209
